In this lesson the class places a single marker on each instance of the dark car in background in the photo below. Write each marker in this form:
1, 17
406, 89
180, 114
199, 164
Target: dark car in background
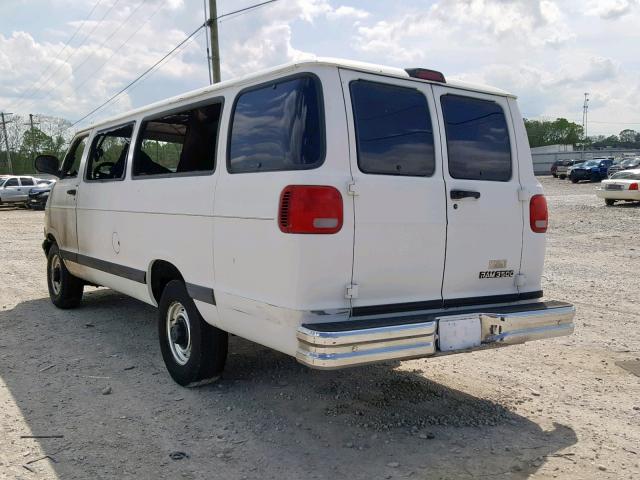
592, 170
562, 167
626, 164
39, 195
554, 168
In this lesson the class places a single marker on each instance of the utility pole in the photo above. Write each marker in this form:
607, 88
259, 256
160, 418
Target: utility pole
215, 47
585, 113
207, 39
31, 124
6, 140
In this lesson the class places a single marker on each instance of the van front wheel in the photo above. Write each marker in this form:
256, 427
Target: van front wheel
193, 351
65, 290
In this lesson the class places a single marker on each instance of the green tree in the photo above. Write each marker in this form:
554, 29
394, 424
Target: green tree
628, 136
559, 131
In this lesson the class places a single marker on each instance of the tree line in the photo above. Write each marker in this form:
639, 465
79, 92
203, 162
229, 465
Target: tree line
49, 135
563, 132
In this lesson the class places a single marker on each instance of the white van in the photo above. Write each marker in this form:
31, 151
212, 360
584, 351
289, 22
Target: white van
339, 212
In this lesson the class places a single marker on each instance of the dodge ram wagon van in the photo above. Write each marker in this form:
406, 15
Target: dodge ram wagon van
339, 212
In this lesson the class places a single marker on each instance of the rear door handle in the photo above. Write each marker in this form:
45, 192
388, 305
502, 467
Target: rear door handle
460, 194
72, 191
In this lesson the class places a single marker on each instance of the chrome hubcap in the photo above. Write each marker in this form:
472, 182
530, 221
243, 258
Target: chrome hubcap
179, 333
56, 274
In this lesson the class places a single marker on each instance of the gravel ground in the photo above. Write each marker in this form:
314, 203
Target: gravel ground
563, 408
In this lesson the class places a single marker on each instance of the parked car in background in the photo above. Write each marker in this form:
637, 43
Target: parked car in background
563, 167
15, 189
554, 168
592, 170
571, 167
625, 164
621, 186
39, 195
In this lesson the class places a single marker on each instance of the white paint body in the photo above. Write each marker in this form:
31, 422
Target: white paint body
402, 241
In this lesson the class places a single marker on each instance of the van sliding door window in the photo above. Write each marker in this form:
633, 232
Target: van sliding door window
178, 143
108, 154
394, 135
477, 139
278, 126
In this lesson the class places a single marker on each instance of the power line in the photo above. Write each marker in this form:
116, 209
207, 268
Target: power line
50, 92
117, 49
57, 55
152, 67
141, 75
86, 37
118, 28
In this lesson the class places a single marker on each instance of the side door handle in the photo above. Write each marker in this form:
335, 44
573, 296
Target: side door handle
72, 191
460, 194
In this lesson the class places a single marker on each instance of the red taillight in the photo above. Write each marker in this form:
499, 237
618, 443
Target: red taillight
538, 214
310, 209
633, 186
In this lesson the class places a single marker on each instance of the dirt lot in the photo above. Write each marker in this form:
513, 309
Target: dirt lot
554, 409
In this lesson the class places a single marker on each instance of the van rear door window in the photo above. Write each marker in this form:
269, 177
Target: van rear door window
108, 154
178, 143
477, 139
393, 129
278, 126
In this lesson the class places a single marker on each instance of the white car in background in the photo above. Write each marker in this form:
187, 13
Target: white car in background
15, 189
623, 185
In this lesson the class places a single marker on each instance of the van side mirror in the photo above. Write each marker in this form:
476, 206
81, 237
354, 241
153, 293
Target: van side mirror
48, 164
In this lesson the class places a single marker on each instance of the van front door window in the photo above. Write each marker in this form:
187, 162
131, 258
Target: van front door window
108, 156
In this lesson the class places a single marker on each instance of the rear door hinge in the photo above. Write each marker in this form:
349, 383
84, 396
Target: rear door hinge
352, 189
352, 291
523, 195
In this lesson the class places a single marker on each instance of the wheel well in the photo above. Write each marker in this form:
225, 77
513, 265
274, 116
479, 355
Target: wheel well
48, 241
162, 272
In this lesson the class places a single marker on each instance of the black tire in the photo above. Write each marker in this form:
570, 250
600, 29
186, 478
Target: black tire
65, 290
554, 175
194, 352
609, 201
562, 177
574, 179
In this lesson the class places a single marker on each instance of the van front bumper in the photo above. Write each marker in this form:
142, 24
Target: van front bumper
362, 341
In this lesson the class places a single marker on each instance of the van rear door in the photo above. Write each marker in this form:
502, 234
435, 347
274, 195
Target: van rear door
399, 194
484, 211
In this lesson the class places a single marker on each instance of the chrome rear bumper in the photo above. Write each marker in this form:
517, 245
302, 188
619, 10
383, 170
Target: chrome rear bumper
358, 342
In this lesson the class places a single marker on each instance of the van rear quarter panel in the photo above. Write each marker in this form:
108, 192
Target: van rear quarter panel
260, 270
533, 244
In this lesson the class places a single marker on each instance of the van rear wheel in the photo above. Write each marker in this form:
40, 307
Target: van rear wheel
609, 201
194, 352
65, 290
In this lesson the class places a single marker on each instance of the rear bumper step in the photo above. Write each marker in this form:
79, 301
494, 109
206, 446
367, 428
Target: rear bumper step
359, 342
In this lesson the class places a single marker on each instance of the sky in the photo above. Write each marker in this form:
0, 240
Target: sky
66, 57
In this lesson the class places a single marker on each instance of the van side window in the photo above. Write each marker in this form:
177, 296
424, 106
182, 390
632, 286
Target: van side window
477, 139
394, 135
278, 126
182, 142
71, 162
12, 182
108, 154
26, 181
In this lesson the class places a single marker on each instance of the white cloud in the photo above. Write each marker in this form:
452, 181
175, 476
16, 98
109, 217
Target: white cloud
348, 12
611, 9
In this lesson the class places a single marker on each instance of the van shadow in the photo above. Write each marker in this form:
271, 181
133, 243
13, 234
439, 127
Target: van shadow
95, 376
